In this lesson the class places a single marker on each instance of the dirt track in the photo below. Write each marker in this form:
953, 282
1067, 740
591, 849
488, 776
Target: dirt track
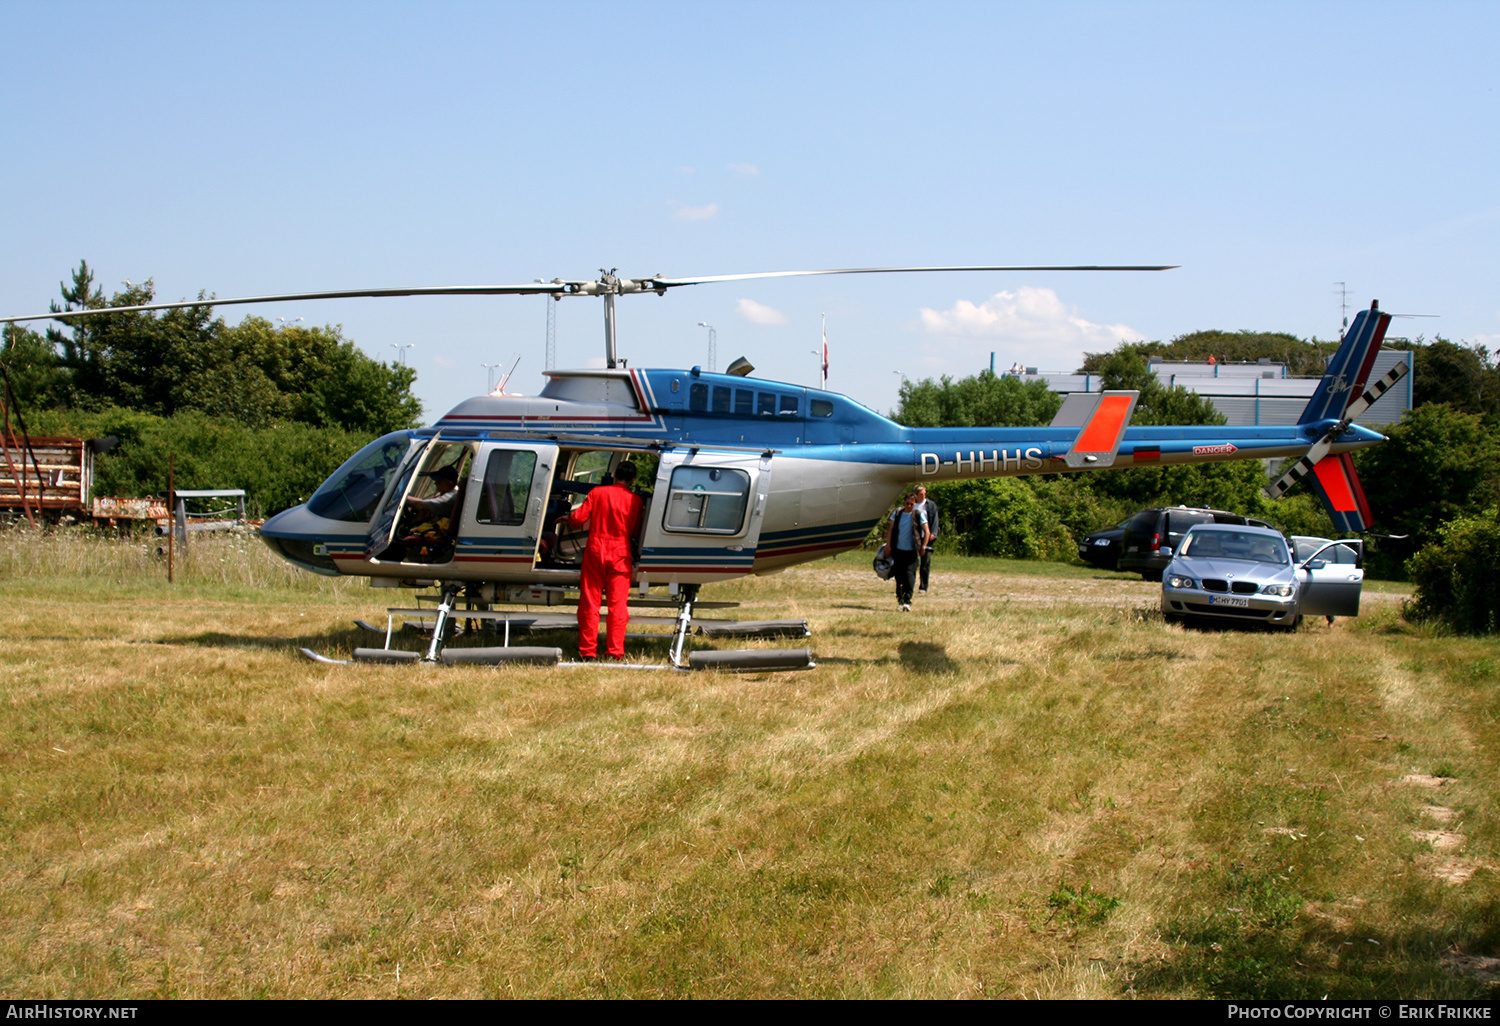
967, 587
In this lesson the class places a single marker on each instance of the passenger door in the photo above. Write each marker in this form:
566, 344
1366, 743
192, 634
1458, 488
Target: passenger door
503, 512
1332, 589
705, 517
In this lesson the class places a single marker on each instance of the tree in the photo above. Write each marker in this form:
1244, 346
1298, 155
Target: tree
1301, 357
1439, 464
1464, 377
1455, 574
325, 380
1158, 404
983, 400
253, 374
37, 379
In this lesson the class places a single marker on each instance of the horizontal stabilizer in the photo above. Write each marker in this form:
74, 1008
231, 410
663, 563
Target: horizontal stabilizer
1076, 409
1099, 440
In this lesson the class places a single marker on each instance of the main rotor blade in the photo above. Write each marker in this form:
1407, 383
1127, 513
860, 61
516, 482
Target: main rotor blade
536, 288
670, 282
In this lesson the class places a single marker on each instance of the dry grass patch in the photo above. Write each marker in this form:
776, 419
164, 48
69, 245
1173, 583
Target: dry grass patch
1029, 786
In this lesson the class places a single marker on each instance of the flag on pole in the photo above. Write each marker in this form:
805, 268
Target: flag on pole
825, 350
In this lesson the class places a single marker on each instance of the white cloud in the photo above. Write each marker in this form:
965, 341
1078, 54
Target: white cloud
1029, 324
744, 169
444, 361
703, 213
1488, 341
758, 313
686, 170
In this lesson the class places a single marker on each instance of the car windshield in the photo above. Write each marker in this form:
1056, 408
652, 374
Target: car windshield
1246, 545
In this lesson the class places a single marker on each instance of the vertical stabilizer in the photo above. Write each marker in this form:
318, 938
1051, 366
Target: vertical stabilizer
1349, 369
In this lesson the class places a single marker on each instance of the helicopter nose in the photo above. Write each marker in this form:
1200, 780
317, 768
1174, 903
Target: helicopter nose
299, 537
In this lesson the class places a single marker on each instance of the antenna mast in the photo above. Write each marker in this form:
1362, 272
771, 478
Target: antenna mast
551, 333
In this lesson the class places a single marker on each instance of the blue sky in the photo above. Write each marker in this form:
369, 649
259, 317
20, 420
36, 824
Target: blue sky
1270, 149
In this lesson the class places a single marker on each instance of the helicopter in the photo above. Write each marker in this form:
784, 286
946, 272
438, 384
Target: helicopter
752, 476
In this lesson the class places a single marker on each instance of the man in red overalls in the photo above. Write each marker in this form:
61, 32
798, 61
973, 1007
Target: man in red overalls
613, 513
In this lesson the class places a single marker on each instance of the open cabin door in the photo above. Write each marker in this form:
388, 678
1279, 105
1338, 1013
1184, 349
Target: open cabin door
503, 517
383, 527
705, 517
465, 509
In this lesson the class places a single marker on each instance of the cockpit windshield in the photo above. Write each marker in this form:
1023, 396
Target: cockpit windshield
354, 490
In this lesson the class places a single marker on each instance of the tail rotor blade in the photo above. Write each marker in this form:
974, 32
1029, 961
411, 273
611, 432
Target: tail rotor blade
1373, 393
1320, 448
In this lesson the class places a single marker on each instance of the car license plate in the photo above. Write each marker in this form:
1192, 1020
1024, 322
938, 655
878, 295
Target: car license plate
1237, 601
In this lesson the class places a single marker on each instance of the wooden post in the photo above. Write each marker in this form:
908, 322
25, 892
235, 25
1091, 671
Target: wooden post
171, 528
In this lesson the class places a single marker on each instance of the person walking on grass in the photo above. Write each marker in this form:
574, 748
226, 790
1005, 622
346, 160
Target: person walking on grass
906, 535
929, 507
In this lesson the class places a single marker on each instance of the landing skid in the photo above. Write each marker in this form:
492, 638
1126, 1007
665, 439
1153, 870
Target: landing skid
441, 621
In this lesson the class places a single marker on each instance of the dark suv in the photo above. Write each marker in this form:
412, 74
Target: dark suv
1152, 535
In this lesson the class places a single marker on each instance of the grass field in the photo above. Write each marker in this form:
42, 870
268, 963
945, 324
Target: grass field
1029, 786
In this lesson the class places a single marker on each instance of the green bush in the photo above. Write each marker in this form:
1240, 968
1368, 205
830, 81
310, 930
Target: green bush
278, 466
998, 517
1456, 575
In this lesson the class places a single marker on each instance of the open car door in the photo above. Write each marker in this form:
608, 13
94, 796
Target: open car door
705, 517
1332, 578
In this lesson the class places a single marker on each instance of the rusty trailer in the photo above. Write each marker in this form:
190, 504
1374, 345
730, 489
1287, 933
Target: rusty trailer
49, 475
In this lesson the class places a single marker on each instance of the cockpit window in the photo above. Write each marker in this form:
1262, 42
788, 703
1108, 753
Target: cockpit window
354, 490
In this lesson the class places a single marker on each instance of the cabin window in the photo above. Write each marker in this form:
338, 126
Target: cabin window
507, 487
767, 402
698, 398
788, 406
744, 402
708, 500
822, 408
721, 399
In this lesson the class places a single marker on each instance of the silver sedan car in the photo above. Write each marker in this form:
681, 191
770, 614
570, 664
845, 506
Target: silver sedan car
1249, 575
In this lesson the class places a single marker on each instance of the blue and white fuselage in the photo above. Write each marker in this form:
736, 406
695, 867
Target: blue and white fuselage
754, 475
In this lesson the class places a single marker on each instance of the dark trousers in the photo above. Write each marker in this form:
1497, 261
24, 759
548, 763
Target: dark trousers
905, 573
926, 566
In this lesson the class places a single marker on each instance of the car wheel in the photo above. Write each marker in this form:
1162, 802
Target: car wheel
1291, 625
1151, 575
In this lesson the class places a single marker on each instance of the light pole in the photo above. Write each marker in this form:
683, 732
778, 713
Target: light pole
489, 376
713, 338
401, 351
